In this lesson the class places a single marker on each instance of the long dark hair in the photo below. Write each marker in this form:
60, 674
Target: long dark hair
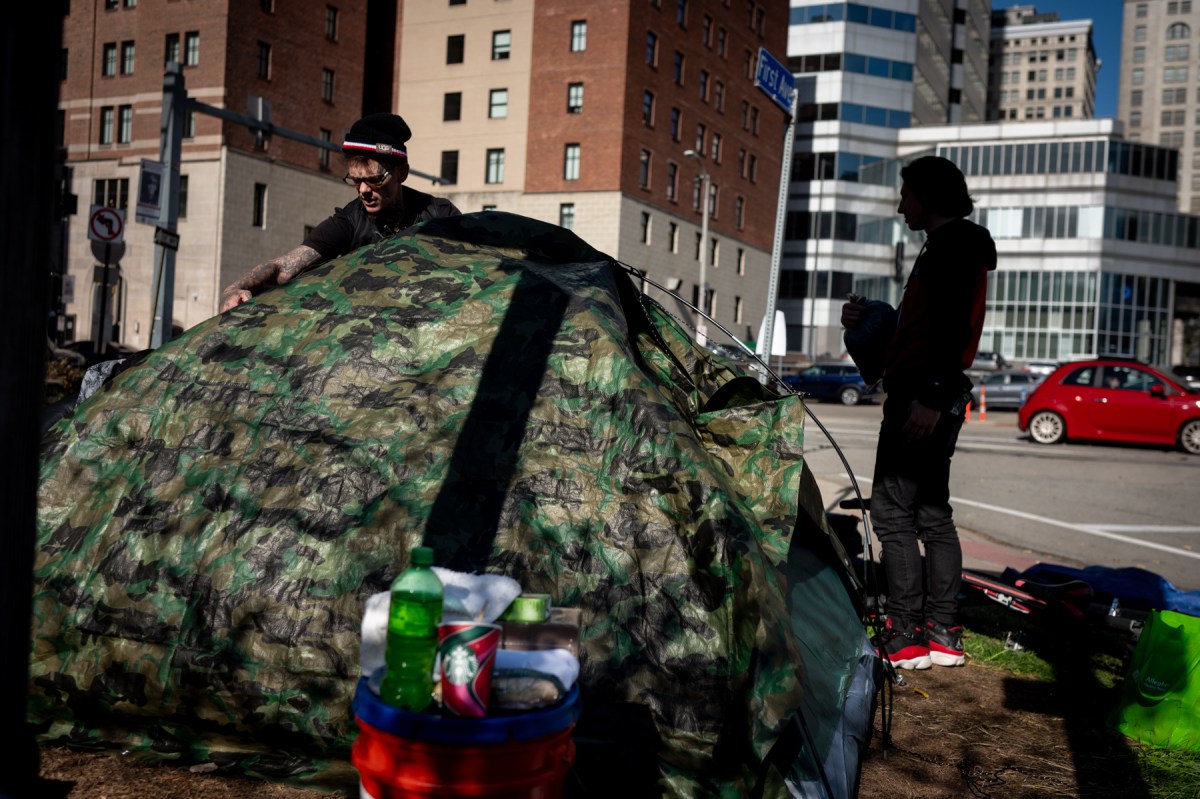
939, 186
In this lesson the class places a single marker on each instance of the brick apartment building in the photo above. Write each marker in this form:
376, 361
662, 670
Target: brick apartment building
590, 134
579, 113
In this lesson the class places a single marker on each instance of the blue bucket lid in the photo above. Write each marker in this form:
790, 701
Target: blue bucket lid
498, 729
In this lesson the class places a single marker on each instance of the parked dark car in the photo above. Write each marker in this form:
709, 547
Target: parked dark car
1005, 389
836, 380
1108, 399
1190, 375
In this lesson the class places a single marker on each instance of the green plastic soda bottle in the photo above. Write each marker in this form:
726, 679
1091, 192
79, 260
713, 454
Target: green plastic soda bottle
416, 611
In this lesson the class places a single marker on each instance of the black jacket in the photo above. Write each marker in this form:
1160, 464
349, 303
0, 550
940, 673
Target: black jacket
350, 228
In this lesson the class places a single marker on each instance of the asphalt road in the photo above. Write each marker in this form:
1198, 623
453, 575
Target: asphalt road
1072, 504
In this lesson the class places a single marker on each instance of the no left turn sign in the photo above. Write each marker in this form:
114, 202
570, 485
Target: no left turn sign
106, 225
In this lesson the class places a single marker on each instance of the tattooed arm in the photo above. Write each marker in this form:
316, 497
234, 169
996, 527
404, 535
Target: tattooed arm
268, 275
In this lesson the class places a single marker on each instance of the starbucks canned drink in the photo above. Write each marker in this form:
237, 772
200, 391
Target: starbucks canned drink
468, 655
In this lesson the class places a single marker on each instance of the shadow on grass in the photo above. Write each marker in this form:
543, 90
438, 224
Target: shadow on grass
1083, 665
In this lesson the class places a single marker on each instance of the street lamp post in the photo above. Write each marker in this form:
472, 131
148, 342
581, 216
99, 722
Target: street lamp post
705, 180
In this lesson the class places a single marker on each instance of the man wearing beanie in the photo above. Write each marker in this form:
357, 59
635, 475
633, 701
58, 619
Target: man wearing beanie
377, 166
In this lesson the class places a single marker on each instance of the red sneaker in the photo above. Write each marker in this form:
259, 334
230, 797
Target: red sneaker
906, 649
945, 644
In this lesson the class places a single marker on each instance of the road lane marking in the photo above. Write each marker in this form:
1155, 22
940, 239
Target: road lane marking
1079, 528
1141, 528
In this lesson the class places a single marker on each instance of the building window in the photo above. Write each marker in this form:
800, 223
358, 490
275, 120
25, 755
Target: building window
449, 170
106, 124
579, 36
673, 237
648, 109
171, 51
259, 219
125, 124
267, 6
652, 48
111, 192
323, 153
701, 136
645, 227
719, 96
191, 48
713, 192
706, 31
721, 38
739, 212
331, 23
566, 215
644, 169
327, 85
183, 196
498, 104
716, 147
677, 69
737, 310
455, 46
1135, 98
1139, 55
451, 106
754, 120
495, 166
264, 60
752, 168
681, 12
108, 66
675, 124
574, 98
127, 58
571, 159
1178, 31
703, 85
672, 181
501, 45
1177, 52
1139, 33
189, 125
741, 261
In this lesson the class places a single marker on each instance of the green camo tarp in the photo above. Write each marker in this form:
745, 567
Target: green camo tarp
212, 521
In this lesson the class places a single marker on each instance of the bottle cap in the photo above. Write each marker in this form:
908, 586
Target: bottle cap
422, 556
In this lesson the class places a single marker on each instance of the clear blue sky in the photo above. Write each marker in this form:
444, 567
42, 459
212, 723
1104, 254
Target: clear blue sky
1106, 36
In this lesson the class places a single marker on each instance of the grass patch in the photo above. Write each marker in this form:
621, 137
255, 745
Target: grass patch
1087, 661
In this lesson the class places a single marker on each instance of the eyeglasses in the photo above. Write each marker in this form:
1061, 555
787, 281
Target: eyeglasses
374, 181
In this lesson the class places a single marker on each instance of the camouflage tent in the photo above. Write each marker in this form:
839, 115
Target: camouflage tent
212, 521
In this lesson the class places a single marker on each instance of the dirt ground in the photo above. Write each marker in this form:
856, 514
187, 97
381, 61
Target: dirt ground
972, 731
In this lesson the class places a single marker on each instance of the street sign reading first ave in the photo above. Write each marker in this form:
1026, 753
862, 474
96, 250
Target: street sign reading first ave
775, 80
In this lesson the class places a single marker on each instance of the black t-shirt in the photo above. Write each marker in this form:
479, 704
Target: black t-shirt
350, 228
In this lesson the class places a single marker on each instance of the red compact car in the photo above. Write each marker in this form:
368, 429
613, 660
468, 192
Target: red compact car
1110, 399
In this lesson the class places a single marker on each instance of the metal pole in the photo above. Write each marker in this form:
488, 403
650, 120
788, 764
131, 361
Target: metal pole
702, 304
701, 327
103, 330
785, 175
171, 149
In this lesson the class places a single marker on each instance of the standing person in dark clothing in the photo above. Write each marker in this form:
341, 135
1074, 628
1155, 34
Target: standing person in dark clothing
939, 323
377, 166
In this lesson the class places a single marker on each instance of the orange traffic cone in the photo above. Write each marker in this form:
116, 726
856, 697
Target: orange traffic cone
983, 403
967, 414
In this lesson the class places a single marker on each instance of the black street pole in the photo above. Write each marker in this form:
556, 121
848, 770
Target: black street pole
28, 110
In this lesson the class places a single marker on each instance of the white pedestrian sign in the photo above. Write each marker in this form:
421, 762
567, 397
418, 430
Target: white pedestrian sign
106, 225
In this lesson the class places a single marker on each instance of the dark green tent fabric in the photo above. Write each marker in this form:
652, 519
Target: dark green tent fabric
212, 521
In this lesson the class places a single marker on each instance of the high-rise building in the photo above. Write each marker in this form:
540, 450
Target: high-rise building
243, 198
1093, 256
1041, 67
1159, 98
602, 116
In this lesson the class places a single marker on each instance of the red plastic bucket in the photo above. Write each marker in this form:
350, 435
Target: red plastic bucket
403, 755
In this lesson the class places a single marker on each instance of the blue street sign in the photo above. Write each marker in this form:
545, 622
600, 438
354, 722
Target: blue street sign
775, 80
